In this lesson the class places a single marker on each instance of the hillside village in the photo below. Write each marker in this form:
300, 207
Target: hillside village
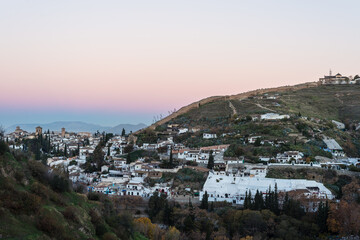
243, 150
270, 150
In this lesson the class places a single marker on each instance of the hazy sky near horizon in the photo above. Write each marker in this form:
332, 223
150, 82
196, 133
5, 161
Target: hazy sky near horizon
111, 62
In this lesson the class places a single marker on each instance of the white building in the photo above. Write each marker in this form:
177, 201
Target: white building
253, 139
273, 116
183, 130
209, 135
233, 189
85, 152
289, 156
333, 147
339, 125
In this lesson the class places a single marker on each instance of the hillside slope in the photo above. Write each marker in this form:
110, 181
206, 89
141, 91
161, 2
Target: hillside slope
240, 96
333, 102
38, 204
235, 118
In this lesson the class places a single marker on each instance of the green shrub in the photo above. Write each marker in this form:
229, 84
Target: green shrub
48, 222
94, 196
109, 236
60, 184
71, 213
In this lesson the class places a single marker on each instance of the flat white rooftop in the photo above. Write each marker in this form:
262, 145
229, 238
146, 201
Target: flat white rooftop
223, 184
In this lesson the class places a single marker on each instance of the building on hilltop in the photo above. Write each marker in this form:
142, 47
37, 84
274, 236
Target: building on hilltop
338, 79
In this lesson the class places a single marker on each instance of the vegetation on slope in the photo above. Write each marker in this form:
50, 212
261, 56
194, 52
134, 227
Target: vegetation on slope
38, 204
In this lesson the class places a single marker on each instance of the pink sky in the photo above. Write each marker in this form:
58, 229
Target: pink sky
141, 57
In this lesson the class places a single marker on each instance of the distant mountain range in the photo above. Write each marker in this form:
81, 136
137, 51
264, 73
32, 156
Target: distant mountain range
77, 126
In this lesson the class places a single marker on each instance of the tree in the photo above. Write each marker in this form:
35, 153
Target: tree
128, 159
168, 216
247, 200
276, 201
210, 164
98, 156
344, 218
171, 158
65, 151
204, 202
78, 150
2, 132
258, 201
129, 148
156, 204
322, 216
123, 132
285, 206
257, 142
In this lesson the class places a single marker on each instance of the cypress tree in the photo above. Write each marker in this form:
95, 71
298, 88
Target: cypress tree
171, 158
210, 164
276, 200
322, 216
246, 201
65, 151
250, 204
258, 201
168, 214
204, 201
286, 203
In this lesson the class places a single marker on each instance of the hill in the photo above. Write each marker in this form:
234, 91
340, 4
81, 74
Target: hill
241, 96
77, 126
340, 102
312, 108
36, 203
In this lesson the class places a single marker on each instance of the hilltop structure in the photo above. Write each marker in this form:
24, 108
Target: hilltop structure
339, 79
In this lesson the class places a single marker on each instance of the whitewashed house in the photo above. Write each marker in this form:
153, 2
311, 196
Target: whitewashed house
289, 156
253, 139
209, 135
333, 147
339, 125
183, 130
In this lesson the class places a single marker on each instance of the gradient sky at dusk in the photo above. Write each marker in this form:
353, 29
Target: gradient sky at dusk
111, 62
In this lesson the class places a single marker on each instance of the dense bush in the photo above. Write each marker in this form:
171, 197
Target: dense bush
49, 223
60, 184
70, 213
3, 147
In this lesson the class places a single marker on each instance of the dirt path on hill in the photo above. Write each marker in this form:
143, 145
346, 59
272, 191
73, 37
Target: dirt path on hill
260, 106
233, 108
